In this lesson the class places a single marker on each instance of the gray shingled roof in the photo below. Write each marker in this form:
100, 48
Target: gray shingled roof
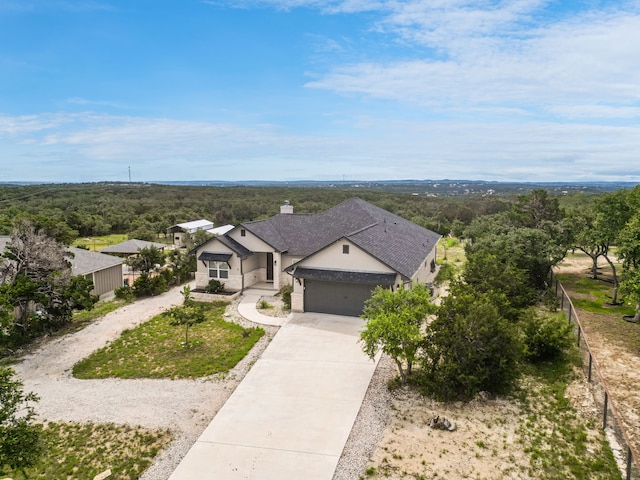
399, 243
233, 245
345, 276
85, 262
130, 247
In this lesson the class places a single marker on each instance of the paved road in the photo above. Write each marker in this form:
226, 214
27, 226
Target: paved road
291, 415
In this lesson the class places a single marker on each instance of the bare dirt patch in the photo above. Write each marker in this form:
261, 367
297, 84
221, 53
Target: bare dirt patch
484, 444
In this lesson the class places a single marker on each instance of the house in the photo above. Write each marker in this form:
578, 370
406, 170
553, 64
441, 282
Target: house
333, 259
221, 230
131, 247
104, 271
181, 232
127, 249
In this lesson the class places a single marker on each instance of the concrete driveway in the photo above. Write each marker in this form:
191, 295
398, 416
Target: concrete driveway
291, 415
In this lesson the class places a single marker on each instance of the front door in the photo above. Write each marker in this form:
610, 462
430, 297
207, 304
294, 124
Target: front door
269, 267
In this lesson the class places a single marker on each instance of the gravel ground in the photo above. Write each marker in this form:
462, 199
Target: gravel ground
369, 427
184, 406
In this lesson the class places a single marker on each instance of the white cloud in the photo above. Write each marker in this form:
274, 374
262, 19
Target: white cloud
596, 111
588, 59
94, 147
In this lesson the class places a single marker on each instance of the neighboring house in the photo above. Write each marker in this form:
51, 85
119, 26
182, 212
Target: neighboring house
104, 271
127, 249
333, 259
131, 247
220, 230
182, 231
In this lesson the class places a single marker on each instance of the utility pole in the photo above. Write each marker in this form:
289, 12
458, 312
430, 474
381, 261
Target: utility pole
129, 174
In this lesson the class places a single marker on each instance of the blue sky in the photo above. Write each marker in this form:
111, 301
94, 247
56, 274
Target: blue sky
526, 90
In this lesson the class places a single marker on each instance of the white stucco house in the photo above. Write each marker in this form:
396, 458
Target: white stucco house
333, 259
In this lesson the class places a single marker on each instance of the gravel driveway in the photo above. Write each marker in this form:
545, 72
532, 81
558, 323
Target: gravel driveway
184, 406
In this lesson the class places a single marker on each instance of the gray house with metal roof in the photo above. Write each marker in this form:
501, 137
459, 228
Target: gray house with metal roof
333, 259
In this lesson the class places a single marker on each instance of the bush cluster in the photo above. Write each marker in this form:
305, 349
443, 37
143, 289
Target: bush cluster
146, 286
215, 286
547, 335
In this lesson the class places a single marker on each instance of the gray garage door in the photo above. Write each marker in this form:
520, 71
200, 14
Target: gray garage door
336, 297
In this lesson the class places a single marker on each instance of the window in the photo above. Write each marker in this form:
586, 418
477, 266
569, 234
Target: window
243, 233
433, 266
345, 249
218, 269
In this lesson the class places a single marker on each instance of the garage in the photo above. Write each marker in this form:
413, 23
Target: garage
339, 292
336, 298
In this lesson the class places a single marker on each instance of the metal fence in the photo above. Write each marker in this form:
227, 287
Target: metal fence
611, 419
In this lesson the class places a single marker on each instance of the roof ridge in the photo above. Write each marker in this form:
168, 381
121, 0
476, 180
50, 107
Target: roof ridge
361, 229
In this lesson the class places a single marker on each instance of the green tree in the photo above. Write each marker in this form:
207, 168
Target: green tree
36, 280
588, 238
536, 210
182, 264
148, 260
394, 324
469, 348
613, 213
500, 278
187, 315
20, 443
630, 288
629, 252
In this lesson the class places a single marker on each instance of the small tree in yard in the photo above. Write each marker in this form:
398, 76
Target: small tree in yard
20, 445
188, 314
395, 323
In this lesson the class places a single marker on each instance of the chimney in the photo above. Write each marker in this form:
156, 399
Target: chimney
286, 208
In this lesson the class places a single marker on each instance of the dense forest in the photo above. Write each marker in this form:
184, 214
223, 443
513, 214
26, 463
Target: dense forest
145, 211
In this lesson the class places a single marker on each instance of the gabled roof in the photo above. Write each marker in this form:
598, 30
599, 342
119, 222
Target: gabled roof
233, 245
191, 227
85, 262
397, 242
131, 247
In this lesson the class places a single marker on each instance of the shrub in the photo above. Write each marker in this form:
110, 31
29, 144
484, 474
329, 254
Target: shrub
146, 286
20, 435
215, 286
469, 348
286, 296
124, 293
446, 273
264, 305
546, 335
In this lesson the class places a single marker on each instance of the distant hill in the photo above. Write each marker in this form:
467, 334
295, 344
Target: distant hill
444, 187
435, 188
